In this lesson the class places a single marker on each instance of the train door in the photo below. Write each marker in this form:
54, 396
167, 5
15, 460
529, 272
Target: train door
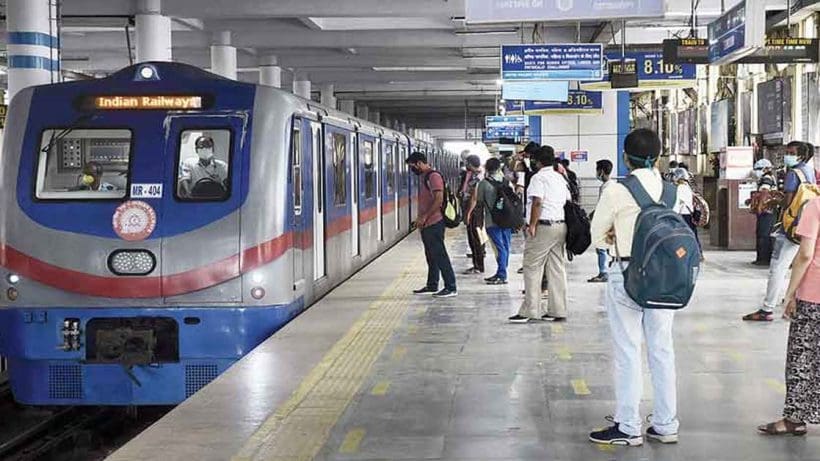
318, 182
354, 196
394, 167
300, 142
379, 215
200, 259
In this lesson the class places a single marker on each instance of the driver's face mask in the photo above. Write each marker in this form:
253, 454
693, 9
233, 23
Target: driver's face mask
87, 179
205, 153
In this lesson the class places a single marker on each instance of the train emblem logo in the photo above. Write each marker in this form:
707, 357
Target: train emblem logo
134, 220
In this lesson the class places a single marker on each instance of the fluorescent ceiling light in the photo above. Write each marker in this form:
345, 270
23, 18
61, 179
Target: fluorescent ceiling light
421, 69
487, 32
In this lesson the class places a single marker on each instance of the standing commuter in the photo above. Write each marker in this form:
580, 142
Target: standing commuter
685, 205
575, 186
614, 223
764, 205
797, 159
473, 222
545, 247
673, 165
431, 224
603, 171
483, 201
802, 404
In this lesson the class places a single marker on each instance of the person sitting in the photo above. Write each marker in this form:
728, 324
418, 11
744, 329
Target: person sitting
91, 179
204, 176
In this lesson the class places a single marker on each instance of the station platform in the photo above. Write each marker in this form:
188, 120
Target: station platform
373, 372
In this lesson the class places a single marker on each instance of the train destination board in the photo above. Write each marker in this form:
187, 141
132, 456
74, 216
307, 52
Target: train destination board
776, 51
574, 61
166, 102
686, 51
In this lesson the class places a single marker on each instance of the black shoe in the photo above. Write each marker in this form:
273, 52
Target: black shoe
519, 319
520, 270
446, 293
651, 433
425, 291
600, 278
497, 281
553, 318
490, 279
613, 436
472, 271
469, 255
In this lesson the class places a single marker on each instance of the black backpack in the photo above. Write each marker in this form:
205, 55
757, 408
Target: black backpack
579, 235
506, 211
449, 205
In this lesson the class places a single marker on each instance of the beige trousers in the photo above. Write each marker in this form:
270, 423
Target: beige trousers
545, 251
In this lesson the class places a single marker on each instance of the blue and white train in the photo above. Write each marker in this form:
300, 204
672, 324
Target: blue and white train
122, 287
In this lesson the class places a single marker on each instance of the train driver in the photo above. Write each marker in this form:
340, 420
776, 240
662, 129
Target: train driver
203, 176
92, 179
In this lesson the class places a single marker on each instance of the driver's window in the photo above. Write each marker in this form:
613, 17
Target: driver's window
204, 168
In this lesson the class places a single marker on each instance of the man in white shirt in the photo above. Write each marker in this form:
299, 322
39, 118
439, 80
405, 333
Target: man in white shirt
603, 171
546, 235
614, 223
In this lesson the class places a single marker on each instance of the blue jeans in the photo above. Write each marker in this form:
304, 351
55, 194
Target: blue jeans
501, 239
629, 324
438, 261
601, 261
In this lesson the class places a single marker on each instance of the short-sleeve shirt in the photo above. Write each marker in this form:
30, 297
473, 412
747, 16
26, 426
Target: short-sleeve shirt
793, 181
551, 187
430, 182
809, 228
685, 203
486, 199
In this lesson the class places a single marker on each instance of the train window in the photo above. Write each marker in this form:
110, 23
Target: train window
390, 167
339, 146
369, 171
83, 164
204, 165
296, 169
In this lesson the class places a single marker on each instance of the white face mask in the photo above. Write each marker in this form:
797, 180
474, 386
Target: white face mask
790, 160
205, 154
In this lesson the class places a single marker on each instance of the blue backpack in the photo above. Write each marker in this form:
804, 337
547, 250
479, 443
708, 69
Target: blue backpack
665, 259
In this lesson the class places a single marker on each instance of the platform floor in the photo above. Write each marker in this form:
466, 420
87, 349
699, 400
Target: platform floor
372, 372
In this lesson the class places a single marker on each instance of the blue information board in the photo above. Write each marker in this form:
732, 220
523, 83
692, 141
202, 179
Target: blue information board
556, 90
501, 126
579, 61
651, 66
578, 101
560, 10
727, 34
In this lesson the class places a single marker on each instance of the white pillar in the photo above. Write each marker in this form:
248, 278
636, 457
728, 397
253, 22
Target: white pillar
269, 71
223, 55
327, 95
403, 127
347, 106
376, 117
301, 87
33, 57
153, 32
362, 112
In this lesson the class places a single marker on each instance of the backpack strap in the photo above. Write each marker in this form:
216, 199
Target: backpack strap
801, 176
669, 196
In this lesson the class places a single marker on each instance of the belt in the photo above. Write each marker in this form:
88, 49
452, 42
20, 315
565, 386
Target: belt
547, 222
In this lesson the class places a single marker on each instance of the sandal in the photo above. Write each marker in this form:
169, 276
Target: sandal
759, 316
786, 428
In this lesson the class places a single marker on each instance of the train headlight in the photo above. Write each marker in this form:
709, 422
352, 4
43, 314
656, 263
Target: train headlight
13, 279
132, 262
258, 293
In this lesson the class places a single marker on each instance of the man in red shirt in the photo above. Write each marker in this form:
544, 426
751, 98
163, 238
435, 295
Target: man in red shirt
431, 224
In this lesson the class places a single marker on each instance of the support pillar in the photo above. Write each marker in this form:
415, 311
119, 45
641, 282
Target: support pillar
328, 96
33, 54
362, 112
223, 55
376, 117
269, 71
153, 32
301, 86
347, 106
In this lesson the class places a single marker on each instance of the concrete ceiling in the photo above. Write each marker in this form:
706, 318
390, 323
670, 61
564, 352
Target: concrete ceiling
412, 60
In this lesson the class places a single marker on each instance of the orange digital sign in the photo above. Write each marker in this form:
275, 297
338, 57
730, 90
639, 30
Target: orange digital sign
161, 102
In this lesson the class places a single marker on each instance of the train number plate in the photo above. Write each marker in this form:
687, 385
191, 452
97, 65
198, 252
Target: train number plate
146, 190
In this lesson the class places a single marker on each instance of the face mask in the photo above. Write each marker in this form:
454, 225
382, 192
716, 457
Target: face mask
600, 177
790, 160
88, 179
416, 171
205, 154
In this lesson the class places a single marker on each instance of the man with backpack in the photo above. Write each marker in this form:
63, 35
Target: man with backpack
657, 261
430, 222
801, 174
500, 205
545, 247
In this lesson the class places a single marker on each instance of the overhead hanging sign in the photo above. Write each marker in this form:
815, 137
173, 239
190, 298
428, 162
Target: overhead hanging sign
575, 61
478, 11
535, 91
578, 102
652, 70
686, 51
776, 51
738, 33
505, 126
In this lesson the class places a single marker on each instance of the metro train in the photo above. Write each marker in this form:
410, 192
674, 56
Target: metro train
158, 224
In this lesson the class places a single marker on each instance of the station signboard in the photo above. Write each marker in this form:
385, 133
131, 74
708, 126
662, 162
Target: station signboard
505, 126
554, 61
556, 90
738, 33
579, 156
578, 102
776, 51
482, 11
686, 51
652, 71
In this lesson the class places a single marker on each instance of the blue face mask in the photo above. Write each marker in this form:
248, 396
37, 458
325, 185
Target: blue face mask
790, 161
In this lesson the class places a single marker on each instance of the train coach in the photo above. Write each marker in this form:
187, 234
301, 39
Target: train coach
158, 224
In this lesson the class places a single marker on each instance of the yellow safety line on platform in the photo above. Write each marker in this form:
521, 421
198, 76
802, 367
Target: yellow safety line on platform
564, 353
352, 441
736, 356
556, 328
398, 353
580, 387
300, 427
605, 448
380, 388
776, 386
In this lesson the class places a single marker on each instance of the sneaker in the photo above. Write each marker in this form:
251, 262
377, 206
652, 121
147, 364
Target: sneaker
446, 293
472, 271
497, 281
613, 436
519, 319
553, 318
490, 279
759, 316
600, 278
652, 434
425, 291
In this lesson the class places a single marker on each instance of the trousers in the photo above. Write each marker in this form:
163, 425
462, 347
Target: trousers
501, 241
629, 324
545, 251
763, 237
438, 261
782, 257
477, 248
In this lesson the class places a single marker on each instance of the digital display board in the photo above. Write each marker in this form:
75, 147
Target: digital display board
150, 102
652, 70
686, 51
